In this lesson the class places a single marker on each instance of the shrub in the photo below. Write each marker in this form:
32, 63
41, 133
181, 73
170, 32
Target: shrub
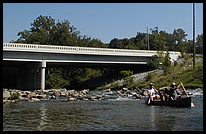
149, 77
126, 74
14, 96
153, 63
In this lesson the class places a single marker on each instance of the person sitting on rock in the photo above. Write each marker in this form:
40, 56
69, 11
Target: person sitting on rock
151, 92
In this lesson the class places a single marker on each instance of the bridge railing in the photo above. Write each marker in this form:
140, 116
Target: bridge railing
53, 48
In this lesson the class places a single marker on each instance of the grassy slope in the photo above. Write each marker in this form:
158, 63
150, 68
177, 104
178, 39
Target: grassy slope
177, 74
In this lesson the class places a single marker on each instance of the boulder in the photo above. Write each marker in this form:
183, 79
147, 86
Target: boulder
41, 96
75, 95
109, 93
99, 96
45, 91
27, 92
53, 97
22, 94
63, 90
70, 92
93, 97
107, 90
33, 94
56, 93
72, 99
128, 92
63, 94
125, 89
84, 92
85, 99
138, 96
6, 94
35, 99
23, 98
119, 92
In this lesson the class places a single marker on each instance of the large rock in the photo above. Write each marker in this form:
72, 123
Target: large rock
125, 89
75, 95
107, 90
72, 99
56, 93
41, 96
84, 91
63, 93
34, 99
6, 94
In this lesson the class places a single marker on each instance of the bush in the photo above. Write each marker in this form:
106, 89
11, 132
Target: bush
115, 85
14, 96
149, 77
126, 74
142, 85
153, 63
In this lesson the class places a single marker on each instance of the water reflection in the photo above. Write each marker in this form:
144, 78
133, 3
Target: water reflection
43, 117
152, 117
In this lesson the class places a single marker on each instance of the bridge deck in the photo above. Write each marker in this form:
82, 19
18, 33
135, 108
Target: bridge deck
78, 50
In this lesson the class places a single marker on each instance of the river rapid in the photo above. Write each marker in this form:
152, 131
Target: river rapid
119, 114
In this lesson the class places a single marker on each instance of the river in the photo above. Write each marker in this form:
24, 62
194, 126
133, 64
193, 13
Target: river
104, 115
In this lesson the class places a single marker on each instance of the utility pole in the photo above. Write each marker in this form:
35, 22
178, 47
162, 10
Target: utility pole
193, 36
147, 39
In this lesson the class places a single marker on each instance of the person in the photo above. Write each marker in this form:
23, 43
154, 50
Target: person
162, 93
151, 92
173, 91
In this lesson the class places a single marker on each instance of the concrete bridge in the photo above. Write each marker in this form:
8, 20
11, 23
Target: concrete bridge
31, 60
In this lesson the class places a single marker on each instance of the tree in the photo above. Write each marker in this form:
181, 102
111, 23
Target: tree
180, 37
154, 63
55, 80
126, 76
44, 30
199, 44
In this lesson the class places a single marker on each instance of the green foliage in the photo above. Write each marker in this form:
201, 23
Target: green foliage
55, 80
191, 78
14, 96
144, 85
199, 44
115, 86
165, 61
149, 77
153, 63
126, 74
193, 85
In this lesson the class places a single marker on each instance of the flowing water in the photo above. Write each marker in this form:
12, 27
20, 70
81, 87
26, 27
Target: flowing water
102, 115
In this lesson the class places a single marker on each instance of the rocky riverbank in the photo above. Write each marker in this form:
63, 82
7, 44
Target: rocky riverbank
13, 95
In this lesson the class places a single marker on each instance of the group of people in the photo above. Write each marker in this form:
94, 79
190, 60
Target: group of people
164, 93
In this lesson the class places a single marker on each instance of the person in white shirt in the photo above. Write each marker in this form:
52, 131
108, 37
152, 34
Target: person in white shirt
151, 91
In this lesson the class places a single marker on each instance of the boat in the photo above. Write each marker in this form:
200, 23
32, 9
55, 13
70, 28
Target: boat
183, 102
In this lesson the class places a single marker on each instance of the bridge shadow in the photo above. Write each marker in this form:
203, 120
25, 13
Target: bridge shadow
26, 75
106, 78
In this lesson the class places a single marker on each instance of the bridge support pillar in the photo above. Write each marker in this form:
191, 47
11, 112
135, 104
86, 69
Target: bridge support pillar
43, 67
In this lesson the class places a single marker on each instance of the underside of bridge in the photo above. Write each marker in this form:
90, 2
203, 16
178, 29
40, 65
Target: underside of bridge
21, 75
27, 75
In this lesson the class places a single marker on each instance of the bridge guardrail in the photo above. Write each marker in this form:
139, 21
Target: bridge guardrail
53, 48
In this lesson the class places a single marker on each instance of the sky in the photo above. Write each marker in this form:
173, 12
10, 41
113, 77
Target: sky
105, 21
